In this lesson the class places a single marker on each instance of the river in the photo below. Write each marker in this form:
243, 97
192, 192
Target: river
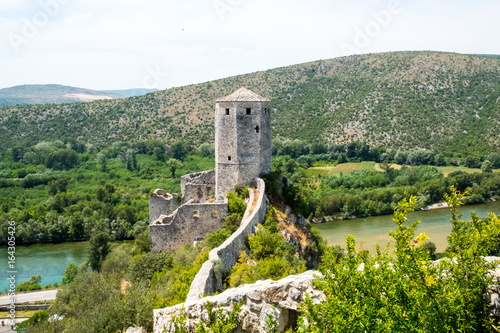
375, 229
49, 260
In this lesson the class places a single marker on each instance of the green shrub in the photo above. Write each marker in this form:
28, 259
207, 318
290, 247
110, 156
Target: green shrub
404, 290
236, 205
32, 284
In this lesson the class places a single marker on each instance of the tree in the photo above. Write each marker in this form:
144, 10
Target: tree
235, 204
439, 160
173, 165
487, 167
400, 157
70, 273
32, 284
180, 149
101, 160
472, 162
404, 291
99, 249
206, 149
494, 158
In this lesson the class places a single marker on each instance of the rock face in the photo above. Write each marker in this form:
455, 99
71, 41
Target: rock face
278, 299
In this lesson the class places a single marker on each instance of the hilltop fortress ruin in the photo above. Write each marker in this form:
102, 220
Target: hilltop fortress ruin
242, 153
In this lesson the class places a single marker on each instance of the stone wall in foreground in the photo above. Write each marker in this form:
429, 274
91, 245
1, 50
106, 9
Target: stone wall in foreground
278, 299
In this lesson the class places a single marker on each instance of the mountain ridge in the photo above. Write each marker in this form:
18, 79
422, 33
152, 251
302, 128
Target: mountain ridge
59, 94
435, 100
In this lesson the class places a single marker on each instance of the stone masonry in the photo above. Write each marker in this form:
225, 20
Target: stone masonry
206, 282
242, 153
161, 203
198, 187
187, 223
242, 140
278, 299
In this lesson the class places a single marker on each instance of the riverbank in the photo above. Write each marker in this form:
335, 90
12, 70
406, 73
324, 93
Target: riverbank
339, 217
374, 230
443, 204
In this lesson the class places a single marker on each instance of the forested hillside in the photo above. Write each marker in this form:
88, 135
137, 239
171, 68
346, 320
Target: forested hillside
442, 101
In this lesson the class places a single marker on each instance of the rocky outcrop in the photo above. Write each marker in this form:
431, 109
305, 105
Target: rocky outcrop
260, 301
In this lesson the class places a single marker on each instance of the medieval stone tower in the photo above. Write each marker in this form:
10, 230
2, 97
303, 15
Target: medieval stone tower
242, 153
242, 140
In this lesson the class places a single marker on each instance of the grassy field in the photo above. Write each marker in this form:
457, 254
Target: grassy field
348, 168
336, 170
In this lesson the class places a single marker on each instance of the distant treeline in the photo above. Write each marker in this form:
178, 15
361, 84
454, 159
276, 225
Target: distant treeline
307, 154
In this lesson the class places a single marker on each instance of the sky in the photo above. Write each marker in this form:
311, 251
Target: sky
122, 44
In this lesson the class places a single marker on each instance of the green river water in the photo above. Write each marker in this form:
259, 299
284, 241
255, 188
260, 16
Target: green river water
51, 260
374, 230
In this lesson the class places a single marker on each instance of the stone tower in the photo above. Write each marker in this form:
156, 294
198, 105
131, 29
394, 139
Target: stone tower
242, 140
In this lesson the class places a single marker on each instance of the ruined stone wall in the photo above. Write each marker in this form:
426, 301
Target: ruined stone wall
205, 282
161, 203
278, 299
189, 221
242, 144
198, 186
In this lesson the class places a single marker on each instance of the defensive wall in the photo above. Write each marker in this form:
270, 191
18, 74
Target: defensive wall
198, 186
206, 282
161, 203
188, 222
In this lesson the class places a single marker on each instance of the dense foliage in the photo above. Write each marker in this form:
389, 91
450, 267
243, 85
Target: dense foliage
404, 290
59, 191
270, 257
92, 301
368, 189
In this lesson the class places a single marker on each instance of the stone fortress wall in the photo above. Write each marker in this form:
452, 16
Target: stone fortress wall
242, 153
198, 187
190, 221
173, 225
277, 299
161, 203
206, 282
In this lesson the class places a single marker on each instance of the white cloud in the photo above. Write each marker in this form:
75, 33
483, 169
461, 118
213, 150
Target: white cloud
111, 44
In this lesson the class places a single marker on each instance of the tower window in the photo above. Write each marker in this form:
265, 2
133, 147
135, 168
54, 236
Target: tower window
249, 111
257, 129
229, 158
227, 112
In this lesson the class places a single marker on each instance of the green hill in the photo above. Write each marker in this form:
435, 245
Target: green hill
443, 101
51, 93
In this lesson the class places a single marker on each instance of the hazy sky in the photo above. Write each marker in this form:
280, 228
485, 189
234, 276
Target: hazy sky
120, 44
